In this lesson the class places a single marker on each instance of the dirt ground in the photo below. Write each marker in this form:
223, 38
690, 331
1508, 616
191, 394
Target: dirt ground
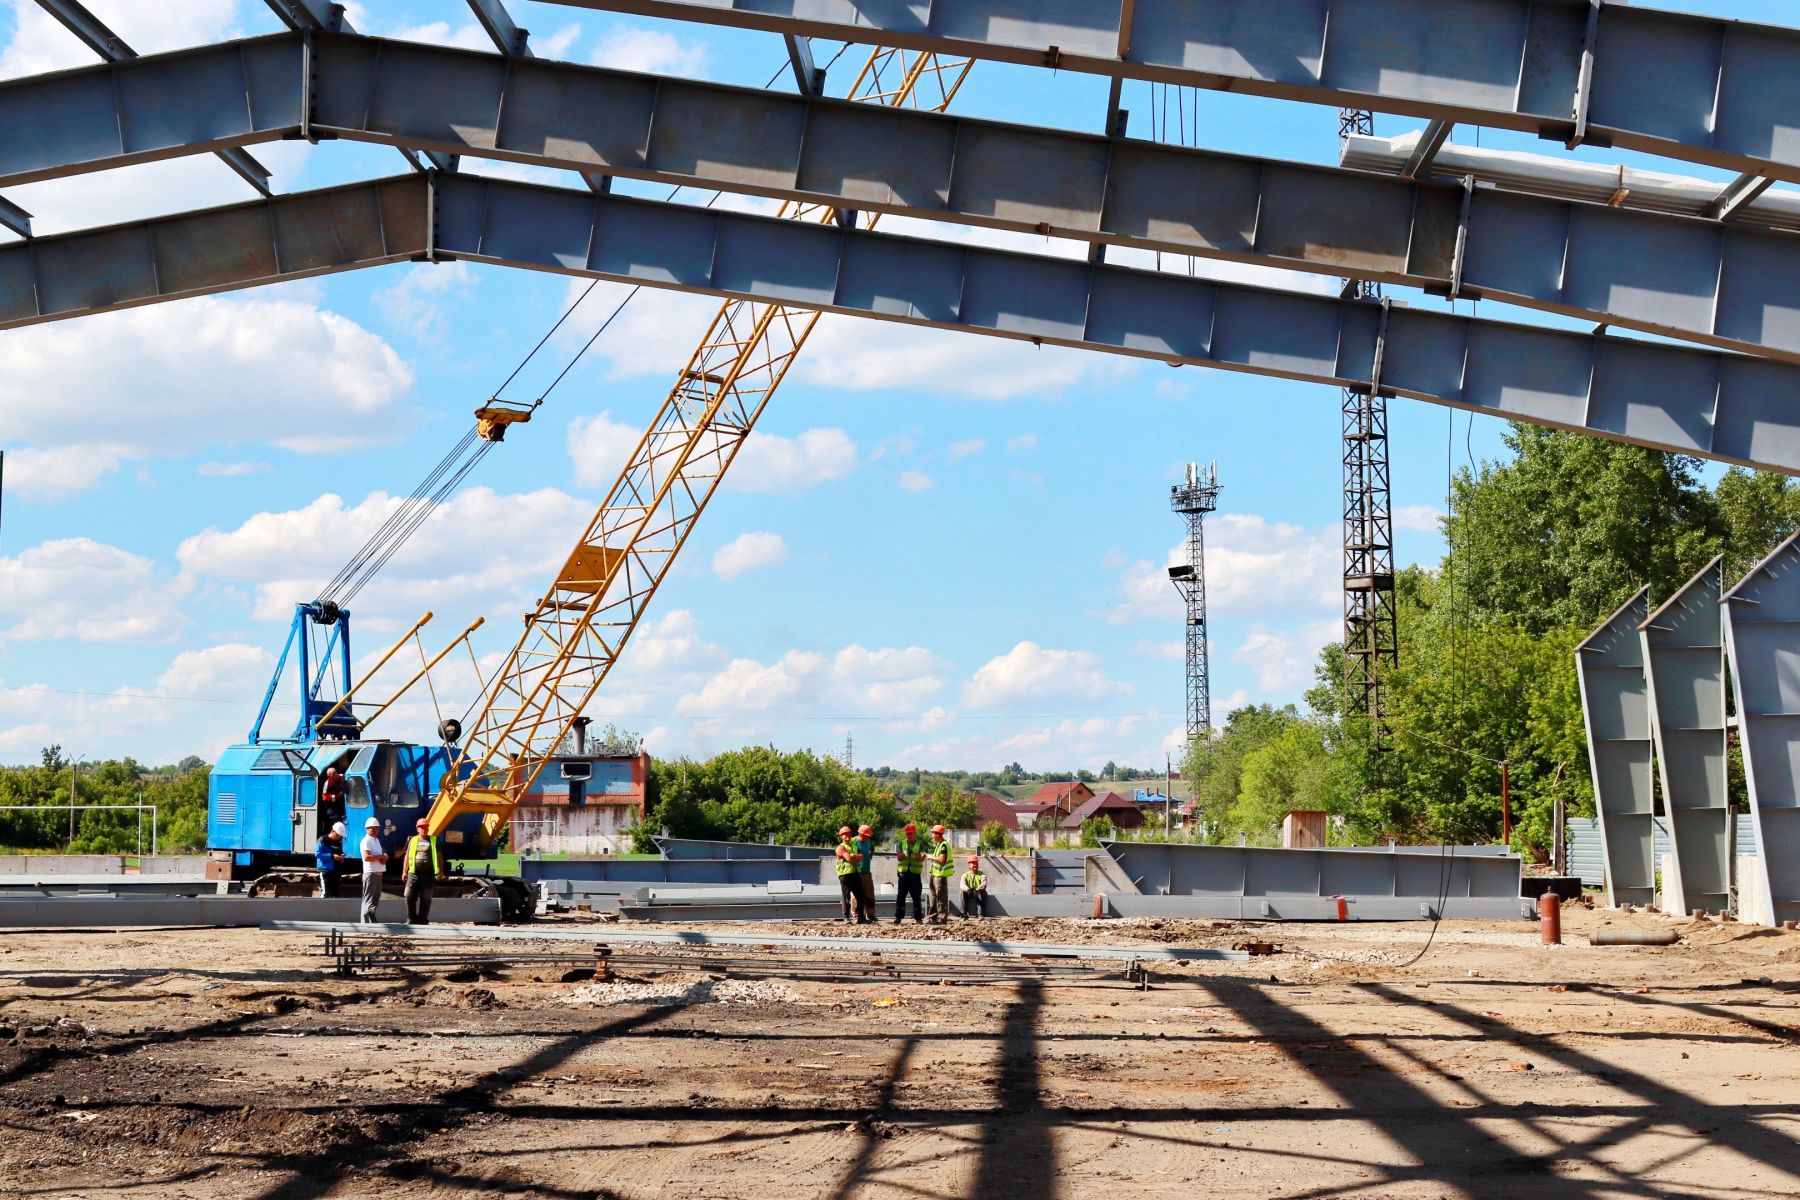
231, 1064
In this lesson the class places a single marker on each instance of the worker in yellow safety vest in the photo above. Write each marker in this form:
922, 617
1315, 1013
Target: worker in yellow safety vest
421, 868
909, 851
849, 862
974, 890
943, 868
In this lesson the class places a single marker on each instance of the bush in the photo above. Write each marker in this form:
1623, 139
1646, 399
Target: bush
1095, 828
994, 838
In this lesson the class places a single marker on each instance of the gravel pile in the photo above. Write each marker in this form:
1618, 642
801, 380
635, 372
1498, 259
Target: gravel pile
684, 990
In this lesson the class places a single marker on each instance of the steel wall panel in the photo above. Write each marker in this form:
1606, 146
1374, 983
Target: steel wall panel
1674, 398
1727, 286
1722, 92
1173, 869
1615, 706
1762, 637
1684, 669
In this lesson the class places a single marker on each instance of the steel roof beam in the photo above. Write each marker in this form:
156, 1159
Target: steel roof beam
111, 47
1737, 195
15, 218
1721, 92
318, 16
1720, 406
1729, 286
505, 32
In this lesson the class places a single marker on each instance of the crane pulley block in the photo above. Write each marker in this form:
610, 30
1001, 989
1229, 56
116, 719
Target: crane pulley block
491, 419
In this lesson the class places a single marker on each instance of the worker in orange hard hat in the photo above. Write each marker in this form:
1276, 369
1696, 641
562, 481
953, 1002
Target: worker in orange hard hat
849, 881
909, 853
422, 868
865, 874
943, 866
974, 890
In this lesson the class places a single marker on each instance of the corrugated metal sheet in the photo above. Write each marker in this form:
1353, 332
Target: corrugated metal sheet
1587, 862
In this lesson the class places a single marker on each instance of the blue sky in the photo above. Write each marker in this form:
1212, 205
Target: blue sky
948, 547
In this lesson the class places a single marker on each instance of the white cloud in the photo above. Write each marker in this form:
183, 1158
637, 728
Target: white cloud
87, 590
966, 447
748, 552
417, 301
57, 473
599, 446
887, 682
1422, 518
866, 355
915, 481
1283, 659
209, 371
1022, 441
557, 44
654, 334
287, 556
40, 43
231, 470
1253, 567
441, 33
1146, 648
1031, 674
746, 685
649, 50
771, 463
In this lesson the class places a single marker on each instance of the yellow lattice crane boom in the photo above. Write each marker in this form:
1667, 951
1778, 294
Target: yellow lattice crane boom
580, 626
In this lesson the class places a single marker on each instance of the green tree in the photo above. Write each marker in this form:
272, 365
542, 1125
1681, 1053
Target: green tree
942, 806
1094, 829
994, 838
1214, 766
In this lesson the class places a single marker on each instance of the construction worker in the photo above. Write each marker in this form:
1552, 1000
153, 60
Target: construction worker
331, 795
943, 868
374, 864
422, 869
865, 873
849, 881
909, 851
328, 857
974, 890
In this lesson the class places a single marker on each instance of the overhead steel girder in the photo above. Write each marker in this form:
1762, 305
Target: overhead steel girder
1728, 286
1722, 406
1762, 634
1699, 88
1609, 668
1684, 668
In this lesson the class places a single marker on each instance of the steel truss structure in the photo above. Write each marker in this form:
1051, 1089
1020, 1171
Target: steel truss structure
1726, 407
1616, 709
1761, 619
1568, 70
1723, 284
1684, 671
1191, 501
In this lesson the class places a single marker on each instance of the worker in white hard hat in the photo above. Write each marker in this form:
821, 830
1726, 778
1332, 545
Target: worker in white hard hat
328, 857
374, 864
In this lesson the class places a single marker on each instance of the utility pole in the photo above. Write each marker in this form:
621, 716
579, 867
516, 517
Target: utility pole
1192, 500
1371, 626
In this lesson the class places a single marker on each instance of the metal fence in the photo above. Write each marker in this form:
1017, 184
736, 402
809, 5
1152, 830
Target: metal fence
1588, 862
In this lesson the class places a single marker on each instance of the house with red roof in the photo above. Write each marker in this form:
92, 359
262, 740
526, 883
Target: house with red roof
1122, 811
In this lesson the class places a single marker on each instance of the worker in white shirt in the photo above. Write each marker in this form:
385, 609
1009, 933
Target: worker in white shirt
374, 861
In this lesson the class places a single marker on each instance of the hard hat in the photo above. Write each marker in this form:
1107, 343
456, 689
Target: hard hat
844, 832
974, 861
371, 823
866, 831
937, 829
911, 828
337, 827
422, 823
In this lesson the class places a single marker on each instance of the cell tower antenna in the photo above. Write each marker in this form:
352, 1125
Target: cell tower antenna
849, 751
1192, 500
1371, 624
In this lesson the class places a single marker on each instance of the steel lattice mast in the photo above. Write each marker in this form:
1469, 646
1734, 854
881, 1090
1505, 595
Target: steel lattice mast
577, 630
1371, 626
1192, 500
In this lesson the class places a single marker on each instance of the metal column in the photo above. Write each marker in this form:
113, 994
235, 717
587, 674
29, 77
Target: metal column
1615, 706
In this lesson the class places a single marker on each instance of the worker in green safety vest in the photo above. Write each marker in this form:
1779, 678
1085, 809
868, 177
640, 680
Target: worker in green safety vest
909, 852
974, 890
422, 870
943, 869
849, 862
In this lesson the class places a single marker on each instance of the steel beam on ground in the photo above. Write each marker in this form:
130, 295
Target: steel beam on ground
1684, 672
1255, 873
1735, 288
1722, 92
659, 871
1616, 709
1762, 635
1726, 407
222, 912
613, 935
678, 848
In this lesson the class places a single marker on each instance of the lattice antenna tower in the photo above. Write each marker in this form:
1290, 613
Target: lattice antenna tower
1192, 500
1371, 626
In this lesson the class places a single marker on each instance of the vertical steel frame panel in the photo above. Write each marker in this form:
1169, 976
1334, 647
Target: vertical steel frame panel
1615, 705
1721, 92
1762, 638
1684, 667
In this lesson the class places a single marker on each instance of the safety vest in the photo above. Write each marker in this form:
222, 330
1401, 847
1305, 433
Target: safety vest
412, 855
846, 865
943, 865
973, 881
912, 854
